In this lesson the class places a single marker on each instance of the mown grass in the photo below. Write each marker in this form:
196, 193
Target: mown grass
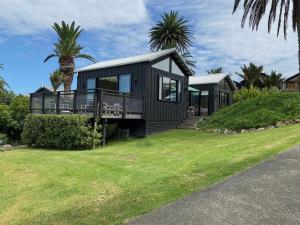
125, 179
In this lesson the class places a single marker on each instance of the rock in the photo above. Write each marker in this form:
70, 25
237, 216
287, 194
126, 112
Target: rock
270, 127
297, 120
243, 131
261, 129
6, 148
226, 131
280, 124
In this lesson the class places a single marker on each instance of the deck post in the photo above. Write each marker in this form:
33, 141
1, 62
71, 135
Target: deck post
100, 108
57, 102
74, 102
43, 103
124, 107
104, 125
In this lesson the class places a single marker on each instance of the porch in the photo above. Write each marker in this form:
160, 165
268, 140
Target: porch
100, 103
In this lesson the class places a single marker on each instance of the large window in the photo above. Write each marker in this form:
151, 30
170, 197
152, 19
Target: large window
109, 83
223, 99
125, 83
168, 89
91, 84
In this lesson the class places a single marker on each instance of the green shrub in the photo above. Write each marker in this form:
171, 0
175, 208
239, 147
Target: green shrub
266, 109
3, 139
59, 132
244, 93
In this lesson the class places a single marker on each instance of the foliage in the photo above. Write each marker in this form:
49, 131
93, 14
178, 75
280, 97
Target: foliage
58, 132
12, 117
215, 70
257, 8
252, 75
56, 79
244, 93
272, 80
3, 139
265, 109
130, 178
67, 49
172, 32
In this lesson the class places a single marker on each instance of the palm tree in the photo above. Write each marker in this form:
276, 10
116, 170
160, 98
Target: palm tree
67, 50
215, 70
272, 80
255, 9
1, 66
56, 79
251, 75
172, 31
189, 61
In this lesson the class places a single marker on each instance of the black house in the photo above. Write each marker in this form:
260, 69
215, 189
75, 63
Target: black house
145, 94
210, 93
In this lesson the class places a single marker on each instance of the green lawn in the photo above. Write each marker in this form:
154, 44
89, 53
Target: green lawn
126, 179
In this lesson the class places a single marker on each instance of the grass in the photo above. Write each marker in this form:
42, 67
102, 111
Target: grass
126, 179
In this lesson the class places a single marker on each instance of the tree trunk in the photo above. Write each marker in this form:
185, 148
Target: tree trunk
67, 68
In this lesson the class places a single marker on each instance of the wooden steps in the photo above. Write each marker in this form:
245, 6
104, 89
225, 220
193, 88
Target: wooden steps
190, 123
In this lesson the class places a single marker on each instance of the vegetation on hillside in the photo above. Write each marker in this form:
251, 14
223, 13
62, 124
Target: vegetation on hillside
264, 109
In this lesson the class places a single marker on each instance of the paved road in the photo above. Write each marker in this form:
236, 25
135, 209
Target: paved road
267, 194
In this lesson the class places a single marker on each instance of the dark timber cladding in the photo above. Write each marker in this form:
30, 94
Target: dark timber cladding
218, 90
160, 114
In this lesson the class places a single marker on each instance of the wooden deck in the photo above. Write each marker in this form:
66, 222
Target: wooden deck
95, 103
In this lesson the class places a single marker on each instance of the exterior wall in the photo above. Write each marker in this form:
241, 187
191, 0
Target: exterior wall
159, 115
214, 90
138, 75
212, 99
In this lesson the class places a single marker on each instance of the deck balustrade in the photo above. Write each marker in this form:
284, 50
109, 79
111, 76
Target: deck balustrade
93, 102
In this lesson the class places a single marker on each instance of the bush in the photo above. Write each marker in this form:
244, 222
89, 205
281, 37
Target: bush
59, 132
266, 109
244, 93
3, 139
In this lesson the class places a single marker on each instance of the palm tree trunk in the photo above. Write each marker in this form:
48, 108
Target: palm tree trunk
67, 68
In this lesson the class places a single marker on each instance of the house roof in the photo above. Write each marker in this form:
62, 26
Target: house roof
291, 77
43, 89
211, 79
149, 57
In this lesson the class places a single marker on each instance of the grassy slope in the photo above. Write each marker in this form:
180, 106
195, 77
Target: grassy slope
260, 111
126, 179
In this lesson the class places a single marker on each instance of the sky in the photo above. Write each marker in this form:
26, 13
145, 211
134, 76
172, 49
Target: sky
119, 28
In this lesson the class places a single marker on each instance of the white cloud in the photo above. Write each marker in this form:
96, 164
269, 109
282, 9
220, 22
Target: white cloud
33, 16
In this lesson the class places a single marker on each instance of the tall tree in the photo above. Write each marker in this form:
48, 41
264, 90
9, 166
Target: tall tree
255, 9
251, 75
56, 79
215, 70
67, 50
273, 80
172, 31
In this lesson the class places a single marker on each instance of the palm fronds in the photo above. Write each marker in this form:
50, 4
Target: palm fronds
215, 70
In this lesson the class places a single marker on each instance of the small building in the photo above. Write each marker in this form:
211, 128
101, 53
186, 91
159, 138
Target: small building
145, 94
43, 89
209, 93
291, 83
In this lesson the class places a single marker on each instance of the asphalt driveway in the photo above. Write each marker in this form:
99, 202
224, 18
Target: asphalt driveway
267, 194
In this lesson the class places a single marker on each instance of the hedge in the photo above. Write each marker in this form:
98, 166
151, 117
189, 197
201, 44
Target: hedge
59, 132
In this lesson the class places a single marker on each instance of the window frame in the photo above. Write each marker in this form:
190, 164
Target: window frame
160, 89
130, 83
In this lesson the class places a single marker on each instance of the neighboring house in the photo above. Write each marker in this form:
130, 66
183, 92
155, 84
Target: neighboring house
210, 93
291, 83
145, 94
43, 90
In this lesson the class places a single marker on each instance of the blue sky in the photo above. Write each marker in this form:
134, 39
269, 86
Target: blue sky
119, 28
